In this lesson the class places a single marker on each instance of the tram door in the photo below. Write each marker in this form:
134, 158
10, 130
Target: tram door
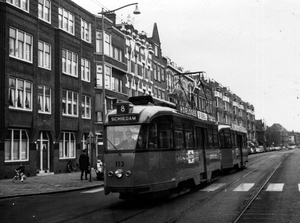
239, 139
43, 153
200, 135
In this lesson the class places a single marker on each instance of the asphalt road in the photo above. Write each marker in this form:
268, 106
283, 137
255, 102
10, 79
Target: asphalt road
271, 180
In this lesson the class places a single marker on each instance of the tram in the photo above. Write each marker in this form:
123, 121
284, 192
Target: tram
159, 151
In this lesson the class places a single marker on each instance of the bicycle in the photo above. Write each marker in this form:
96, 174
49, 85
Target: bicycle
72, 166
18, 177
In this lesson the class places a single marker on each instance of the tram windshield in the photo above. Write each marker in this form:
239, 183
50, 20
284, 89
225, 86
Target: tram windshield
127, 137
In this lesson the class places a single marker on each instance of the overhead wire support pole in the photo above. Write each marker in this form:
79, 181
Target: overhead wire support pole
103, 13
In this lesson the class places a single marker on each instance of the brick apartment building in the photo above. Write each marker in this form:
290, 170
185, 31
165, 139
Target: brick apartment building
51, 83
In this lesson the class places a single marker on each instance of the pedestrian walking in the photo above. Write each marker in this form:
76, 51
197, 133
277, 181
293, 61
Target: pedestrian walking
84, 164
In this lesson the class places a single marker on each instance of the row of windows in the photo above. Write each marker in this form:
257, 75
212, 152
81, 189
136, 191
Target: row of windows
17, 145
185, 136
229, 138
66, 19
161, 136
21, 4
111, 83
20, 97
21, 47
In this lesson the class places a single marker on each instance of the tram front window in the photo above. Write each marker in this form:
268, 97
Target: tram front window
123, 137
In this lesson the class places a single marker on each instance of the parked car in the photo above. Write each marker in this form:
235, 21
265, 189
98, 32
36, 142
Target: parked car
260, 149
291, 147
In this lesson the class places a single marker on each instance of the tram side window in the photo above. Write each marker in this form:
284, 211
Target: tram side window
222, 139
200, 138
227, 138
216, 139
210, 143
165, 136
153, 136
234, 142
178, 139
189, 139
232, 138
178, 136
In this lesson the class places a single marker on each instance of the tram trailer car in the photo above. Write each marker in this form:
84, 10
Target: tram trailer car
169, 152
233, 145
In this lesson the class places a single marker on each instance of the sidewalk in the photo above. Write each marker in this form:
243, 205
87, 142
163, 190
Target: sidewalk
46, 184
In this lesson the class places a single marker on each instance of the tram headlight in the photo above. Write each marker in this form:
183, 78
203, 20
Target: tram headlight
128, 173
119, 173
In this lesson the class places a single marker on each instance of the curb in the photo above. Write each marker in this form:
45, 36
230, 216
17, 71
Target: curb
50, 192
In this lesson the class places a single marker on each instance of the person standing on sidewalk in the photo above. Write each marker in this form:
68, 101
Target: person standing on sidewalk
84, 163
21, 171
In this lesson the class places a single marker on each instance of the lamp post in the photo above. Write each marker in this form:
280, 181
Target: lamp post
103, 13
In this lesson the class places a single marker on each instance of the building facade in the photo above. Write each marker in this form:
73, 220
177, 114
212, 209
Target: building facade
51, 78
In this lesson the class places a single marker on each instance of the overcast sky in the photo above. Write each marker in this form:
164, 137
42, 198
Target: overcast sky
250, 46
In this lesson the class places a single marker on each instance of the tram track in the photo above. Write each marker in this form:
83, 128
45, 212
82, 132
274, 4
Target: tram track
192, 207
244, 209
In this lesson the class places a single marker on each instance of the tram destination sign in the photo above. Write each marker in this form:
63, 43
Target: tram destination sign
123, 118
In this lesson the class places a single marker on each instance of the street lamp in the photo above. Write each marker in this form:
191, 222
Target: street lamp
103, 13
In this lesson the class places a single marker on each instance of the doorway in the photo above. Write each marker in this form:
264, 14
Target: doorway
43, 154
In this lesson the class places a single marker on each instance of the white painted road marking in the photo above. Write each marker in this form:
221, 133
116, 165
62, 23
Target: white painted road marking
212, 187
244, 187
275, 187
93, 191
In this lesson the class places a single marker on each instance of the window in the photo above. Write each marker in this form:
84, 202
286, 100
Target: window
22, 4
20, 94
210, 142
44, 99
16, 145
44, 55
107, 43
117, 54
84, 141
20, 45
108, 77
69, 103
69, 63
165, 136
153, 136
86, 29
156, 50
215, 138
227, 138
66, 20
117, 85
154, 71
44, 10
67, 145
178, 138
189, 139
85, 70
158, 73
163, 74
86, 106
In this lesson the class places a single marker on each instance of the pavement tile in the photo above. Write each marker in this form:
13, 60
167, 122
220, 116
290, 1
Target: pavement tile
46, 184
